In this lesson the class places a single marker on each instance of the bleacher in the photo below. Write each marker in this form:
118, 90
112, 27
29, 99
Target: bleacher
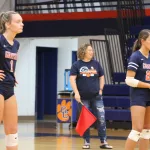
117, 106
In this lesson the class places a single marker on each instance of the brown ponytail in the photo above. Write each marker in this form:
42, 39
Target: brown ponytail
137, 45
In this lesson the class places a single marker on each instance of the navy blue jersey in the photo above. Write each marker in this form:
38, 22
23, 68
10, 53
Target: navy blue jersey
87, 80
8, 58
141, 65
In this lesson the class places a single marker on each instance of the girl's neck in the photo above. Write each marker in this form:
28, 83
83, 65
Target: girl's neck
145, 52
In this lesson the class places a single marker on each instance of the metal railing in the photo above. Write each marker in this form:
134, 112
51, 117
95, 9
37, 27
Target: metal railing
65, 6
61, 6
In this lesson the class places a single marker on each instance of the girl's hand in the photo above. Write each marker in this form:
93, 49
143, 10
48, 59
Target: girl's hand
2, 75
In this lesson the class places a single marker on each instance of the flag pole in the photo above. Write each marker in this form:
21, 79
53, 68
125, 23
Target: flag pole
81, 103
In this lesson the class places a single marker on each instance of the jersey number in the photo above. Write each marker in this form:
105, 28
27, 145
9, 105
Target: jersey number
11, 65
147, 78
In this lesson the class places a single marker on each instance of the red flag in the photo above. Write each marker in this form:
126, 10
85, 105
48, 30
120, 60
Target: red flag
85, 120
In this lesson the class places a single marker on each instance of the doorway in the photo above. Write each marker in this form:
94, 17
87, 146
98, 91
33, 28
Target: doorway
46, 81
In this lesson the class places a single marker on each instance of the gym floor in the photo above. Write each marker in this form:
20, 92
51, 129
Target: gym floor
46, 135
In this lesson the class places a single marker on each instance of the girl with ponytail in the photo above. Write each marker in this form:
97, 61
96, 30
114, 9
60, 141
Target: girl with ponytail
10, 25
138, 78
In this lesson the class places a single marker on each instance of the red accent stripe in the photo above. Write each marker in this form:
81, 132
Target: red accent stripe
147, 12
73, 16
69, 16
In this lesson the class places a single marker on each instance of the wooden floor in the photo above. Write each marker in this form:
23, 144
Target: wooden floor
45, 135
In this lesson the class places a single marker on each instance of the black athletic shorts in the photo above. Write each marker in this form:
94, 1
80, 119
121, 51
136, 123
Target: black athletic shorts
6, 90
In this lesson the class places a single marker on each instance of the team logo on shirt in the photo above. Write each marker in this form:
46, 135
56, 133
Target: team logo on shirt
85, 71
10, 55
147, 76
146, 66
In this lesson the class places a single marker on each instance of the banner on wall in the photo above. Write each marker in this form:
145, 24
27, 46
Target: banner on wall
64, 110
